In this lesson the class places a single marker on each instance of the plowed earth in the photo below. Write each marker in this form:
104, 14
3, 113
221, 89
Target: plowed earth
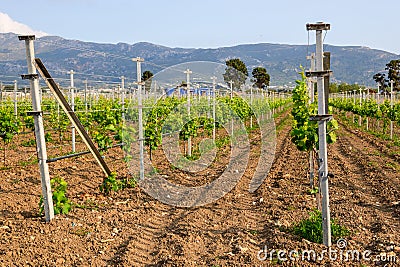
130, 228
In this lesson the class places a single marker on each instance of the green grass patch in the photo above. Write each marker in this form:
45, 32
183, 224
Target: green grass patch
311, 228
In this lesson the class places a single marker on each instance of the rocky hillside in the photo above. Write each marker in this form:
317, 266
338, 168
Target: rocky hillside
350, 64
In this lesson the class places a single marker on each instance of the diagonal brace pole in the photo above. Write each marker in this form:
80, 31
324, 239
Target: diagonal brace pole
71, 115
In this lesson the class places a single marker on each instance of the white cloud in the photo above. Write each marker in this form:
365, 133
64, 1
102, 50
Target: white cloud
7, 24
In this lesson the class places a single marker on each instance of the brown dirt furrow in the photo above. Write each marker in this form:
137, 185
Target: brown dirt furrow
366, 191
130, 228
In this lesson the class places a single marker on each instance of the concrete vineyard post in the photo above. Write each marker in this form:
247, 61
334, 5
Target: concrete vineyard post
15, 100
39, 128
391, 106
140, 106
322, 122
213, 110
359, 117
123, 97
231, 86
251, 104
73, 109
86, 104
189, 142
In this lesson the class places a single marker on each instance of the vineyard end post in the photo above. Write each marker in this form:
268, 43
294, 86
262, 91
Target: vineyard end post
322, 122
39, 128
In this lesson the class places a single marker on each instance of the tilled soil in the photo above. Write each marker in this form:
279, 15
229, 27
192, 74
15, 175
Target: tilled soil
130, 228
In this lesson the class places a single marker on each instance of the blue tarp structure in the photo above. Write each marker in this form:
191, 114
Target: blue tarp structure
170, 91
194, 91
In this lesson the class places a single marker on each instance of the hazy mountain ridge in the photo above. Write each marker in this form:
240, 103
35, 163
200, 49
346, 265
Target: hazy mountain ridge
349, 63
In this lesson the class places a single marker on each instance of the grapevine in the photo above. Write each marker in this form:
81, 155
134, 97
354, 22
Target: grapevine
305, 132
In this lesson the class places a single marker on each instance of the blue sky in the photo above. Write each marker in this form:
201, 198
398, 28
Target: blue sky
212, 23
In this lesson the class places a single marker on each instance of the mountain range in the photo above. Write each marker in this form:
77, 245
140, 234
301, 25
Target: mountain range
350, 64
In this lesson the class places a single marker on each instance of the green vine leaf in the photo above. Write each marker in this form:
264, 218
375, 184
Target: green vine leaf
304, 133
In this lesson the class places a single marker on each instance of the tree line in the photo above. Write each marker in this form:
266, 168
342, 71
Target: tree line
235, 72
393, 68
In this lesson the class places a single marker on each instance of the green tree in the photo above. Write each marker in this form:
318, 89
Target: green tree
147, 79
379, 78
261, 78
393, 68
333, 88
344, 87
235, 71
183, 84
